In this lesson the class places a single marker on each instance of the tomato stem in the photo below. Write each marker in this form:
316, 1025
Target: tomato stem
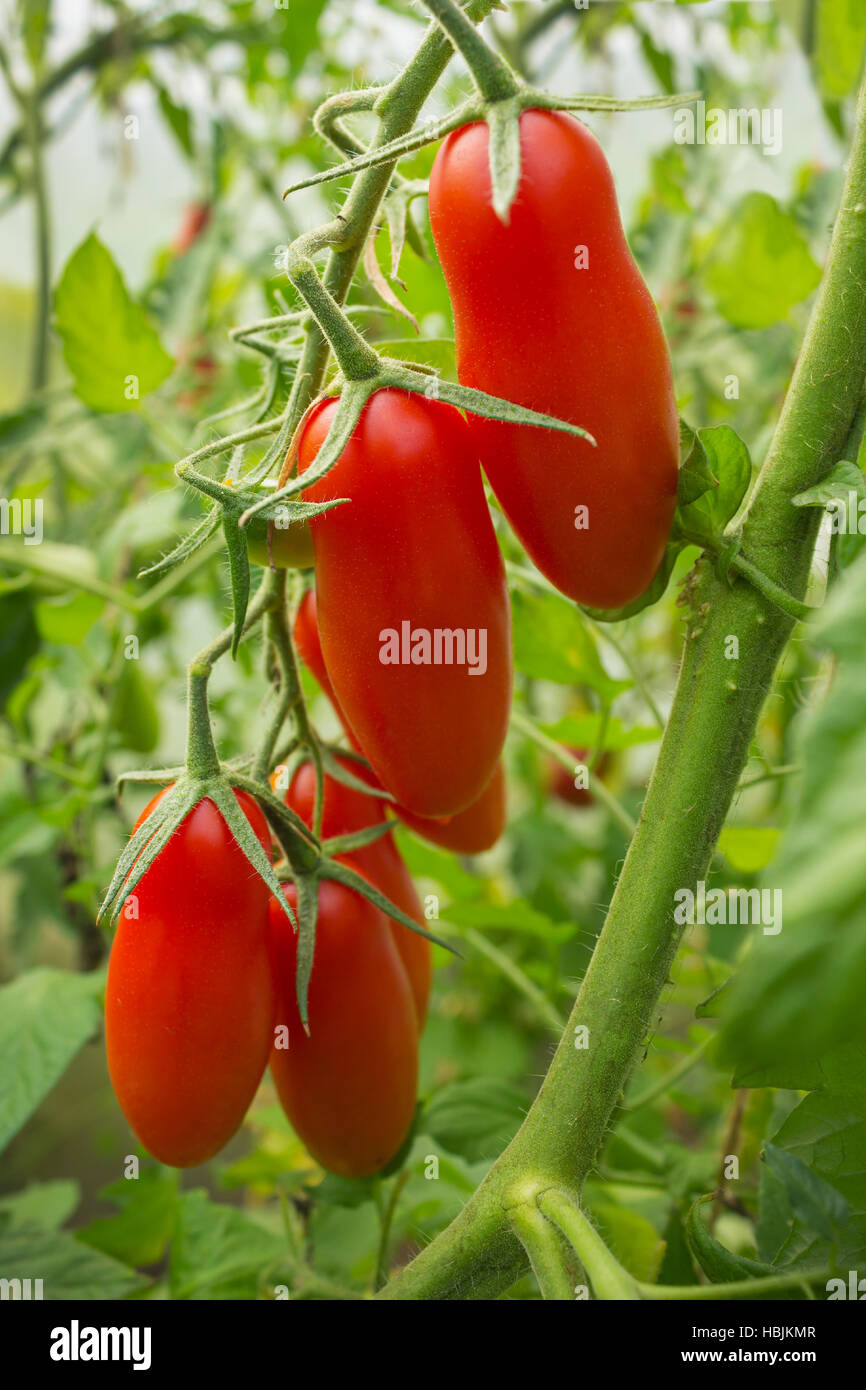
609, 1279
491, 74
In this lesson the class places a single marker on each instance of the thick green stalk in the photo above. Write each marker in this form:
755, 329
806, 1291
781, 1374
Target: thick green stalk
703, 752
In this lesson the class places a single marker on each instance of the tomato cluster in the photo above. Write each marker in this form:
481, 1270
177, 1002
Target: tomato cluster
409, 634
201, 994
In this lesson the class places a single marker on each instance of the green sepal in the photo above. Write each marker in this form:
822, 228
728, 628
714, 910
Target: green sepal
239, 573
341, 873
192, 542
358, 839
843, 478
308, 911
349, 407
721, 1266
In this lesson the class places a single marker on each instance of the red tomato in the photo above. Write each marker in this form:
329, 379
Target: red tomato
471, 831
349, 1088
343, 811
412, 604
306, 635
561, 781
189, 1001
195, 219
583, 344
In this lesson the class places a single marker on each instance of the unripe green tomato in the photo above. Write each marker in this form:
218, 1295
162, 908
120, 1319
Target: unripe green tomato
291, 546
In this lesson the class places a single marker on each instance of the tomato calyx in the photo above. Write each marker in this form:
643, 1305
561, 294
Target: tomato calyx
499, 104
172, 808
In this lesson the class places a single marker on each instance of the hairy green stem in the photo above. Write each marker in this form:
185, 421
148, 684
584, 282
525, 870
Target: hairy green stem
492, 77
740, 1289
544, 1248
609, 1279
397, 107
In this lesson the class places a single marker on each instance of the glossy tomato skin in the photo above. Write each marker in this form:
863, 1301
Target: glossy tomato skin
585, 345
471, 831
189, 1001
344, 811
349, 1087
309, 646
414, 546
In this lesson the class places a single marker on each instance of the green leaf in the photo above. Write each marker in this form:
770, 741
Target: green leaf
695, 476
66, 621
19, 641
552, 643
585, 730
134, 714
516, 916
661, 63
18, 425
748, 848
46, 1016
475, 1118
178, 120
139, 1233
843, 479
800, 992
721, 1266
35, 16
68, 1269
219, 1253
758, 265
843, 495
841, 37
813, 1201
45, 1204
813, 1182
728, 460
112, 351
333, 1191
24, 833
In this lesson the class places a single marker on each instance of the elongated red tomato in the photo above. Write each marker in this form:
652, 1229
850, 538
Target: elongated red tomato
471, 831
349, 1087
189, 1001
344, 811
412, 604
550, 311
